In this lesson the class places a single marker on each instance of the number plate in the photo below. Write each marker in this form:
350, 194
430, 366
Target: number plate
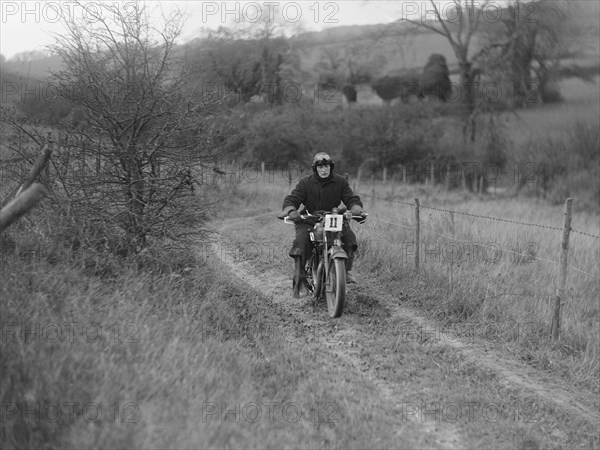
334, 222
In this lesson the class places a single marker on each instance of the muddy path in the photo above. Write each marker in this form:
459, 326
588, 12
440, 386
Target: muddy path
449, 386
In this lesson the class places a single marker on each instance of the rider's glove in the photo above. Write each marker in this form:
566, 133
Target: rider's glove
294, 215
285, 212
357, 210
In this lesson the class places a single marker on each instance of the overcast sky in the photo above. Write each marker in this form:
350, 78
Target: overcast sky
27, 25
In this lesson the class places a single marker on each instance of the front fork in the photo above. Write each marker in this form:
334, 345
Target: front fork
334, 252
327, 253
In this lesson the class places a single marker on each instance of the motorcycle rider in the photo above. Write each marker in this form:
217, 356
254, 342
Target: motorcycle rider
324, 190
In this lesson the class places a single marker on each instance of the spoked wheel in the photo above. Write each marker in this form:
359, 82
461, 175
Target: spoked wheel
311, 273
318, 278
335, 287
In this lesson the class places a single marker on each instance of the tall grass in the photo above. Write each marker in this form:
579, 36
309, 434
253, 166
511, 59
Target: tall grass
496, 275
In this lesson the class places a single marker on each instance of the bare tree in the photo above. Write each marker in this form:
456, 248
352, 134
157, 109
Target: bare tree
245, 61
129, 163
346, 66
526, 52
459, 33
513, 41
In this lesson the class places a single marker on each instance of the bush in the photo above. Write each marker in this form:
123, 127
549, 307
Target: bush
386, 137
290, 134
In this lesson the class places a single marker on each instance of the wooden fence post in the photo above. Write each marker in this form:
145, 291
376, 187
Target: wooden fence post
432, 173
384, 176
417, 233
372, 191
35, 170
562, 271
262, 171
25, 201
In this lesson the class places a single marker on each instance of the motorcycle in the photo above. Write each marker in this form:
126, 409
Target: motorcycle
325, 269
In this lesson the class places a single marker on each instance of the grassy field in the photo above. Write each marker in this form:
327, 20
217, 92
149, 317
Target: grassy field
166, 358
582, 104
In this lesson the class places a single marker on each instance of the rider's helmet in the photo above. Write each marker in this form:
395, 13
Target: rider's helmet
322, 159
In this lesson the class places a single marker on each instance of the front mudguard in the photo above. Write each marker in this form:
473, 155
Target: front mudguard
337, 252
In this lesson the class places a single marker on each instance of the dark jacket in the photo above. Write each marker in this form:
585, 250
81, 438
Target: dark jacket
322, 195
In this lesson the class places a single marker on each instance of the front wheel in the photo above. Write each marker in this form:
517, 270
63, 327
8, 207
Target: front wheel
319, 278
335, 287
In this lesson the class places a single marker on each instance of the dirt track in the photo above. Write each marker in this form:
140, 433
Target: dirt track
383, 341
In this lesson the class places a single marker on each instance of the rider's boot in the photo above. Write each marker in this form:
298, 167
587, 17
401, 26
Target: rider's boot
349, 278
299, 284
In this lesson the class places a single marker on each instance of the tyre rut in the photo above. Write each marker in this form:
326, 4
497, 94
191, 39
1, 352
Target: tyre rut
276, 289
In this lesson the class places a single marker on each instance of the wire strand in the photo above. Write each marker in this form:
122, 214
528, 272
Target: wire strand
481, 216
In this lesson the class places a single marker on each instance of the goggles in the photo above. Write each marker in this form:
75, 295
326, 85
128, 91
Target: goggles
323, 162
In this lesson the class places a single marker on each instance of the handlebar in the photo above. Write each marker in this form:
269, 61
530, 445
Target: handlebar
320, 215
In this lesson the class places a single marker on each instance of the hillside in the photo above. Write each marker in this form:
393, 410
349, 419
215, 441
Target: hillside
398, 46
37, 67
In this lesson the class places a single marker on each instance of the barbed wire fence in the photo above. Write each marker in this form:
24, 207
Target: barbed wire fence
563, 264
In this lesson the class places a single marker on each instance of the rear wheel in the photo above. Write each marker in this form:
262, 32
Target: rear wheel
335, 287
311, 272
